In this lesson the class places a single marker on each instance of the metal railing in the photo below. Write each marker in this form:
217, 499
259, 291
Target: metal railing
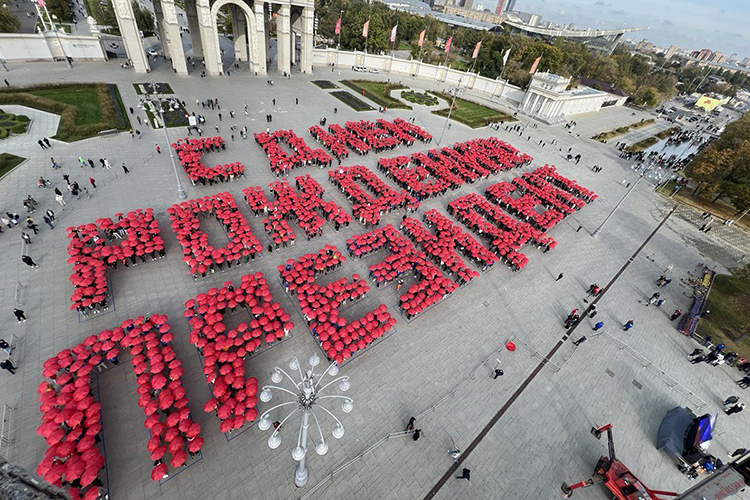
5, 432
656, 370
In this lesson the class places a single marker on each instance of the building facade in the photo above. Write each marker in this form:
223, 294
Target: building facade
250, 27
549, 100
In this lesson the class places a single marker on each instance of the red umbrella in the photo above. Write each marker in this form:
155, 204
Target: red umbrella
74, 469
173, 419
159, 472
195, 445
179, 458
176, 445
153, 443
158, 453
158, 381
89, 475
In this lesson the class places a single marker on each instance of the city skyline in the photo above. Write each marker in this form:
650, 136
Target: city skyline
689, 24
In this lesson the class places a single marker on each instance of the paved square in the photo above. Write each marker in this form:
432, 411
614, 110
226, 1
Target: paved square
436, 367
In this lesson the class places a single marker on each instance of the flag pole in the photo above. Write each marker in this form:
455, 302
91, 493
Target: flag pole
338, 45
367, 37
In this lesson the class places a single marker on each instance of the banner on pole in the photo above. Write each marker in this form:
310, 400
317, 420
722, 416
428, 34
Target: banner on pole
393, 33
365, 28
536, 63
448, 45
476, 50
337, 31
421, 37
505, 57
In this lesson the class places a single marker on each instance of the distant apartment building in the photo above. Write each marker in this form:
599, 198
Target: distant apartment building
670, 51
745, 62
476, 15
718, 57
732, 58
510, 5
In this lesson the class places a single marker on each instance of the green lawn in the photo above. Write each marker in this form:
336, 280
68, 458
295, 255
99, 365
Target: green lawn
8, 162
604, 136
377, 92
650, 141
84, 109
403, 46
12, 124
352, 101
325, 84
470, 113
84, 99
729, 320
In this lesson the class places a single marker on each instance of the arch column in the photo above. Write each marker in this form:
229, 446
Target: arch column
240, 27
209, 38
195, 30
261, 39
173, 39
131, 36
307, 40
160, 28
283, 39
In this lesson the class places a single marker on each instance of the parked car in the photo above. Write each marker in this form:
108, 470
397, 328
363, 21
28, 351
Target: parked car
374, 70
152, 53
360, 69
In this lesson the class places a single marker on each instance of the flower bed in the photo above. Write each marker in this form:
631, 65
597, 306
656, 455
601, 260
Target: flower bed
224, 350
201, 257
72, 420
90, 254
302, 206
320, 305
367, 208
190, 151
422, 98
282, 162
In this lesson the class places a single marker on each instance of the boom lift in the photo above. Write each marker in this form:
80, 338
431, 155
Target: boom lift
616, 476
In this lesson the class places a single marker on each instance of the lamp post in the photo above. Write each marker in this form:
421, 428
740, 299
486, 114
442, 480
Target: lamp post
307, 398
632, 187
455, 91
157, 99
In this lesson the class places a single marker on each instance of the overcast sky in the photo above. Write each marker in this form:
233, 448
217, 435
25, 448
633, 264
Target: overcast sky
719, 25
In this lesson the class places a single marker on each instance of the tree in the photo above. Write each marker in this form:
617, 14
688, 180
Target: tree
144, 19
9, 23
61, 9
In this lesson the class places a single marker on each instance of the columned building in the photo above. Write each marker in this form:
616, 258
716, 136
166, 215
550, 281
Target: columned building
549, 100
250, 23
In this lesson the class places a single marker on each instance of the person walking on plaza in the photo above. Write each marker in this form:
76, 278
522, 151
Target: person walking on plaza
731, 400
5, 346
20, 316
48, 221
92, 181
627, 326
416, 434
653, 299
593, 311
410, 425
31, 224
29, 261
107, 165
41, 144
598, 326
735, 409
465, 474
51, 215
59, 198
580, 341
158, 149
676, 314
559, 277
744, 382
9, 366
26, 238
125, 169
46, 141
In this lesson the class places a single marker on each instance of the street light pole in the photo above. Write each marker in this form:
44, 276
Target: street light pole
450, 110
307, 398
158, 100
643, 174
